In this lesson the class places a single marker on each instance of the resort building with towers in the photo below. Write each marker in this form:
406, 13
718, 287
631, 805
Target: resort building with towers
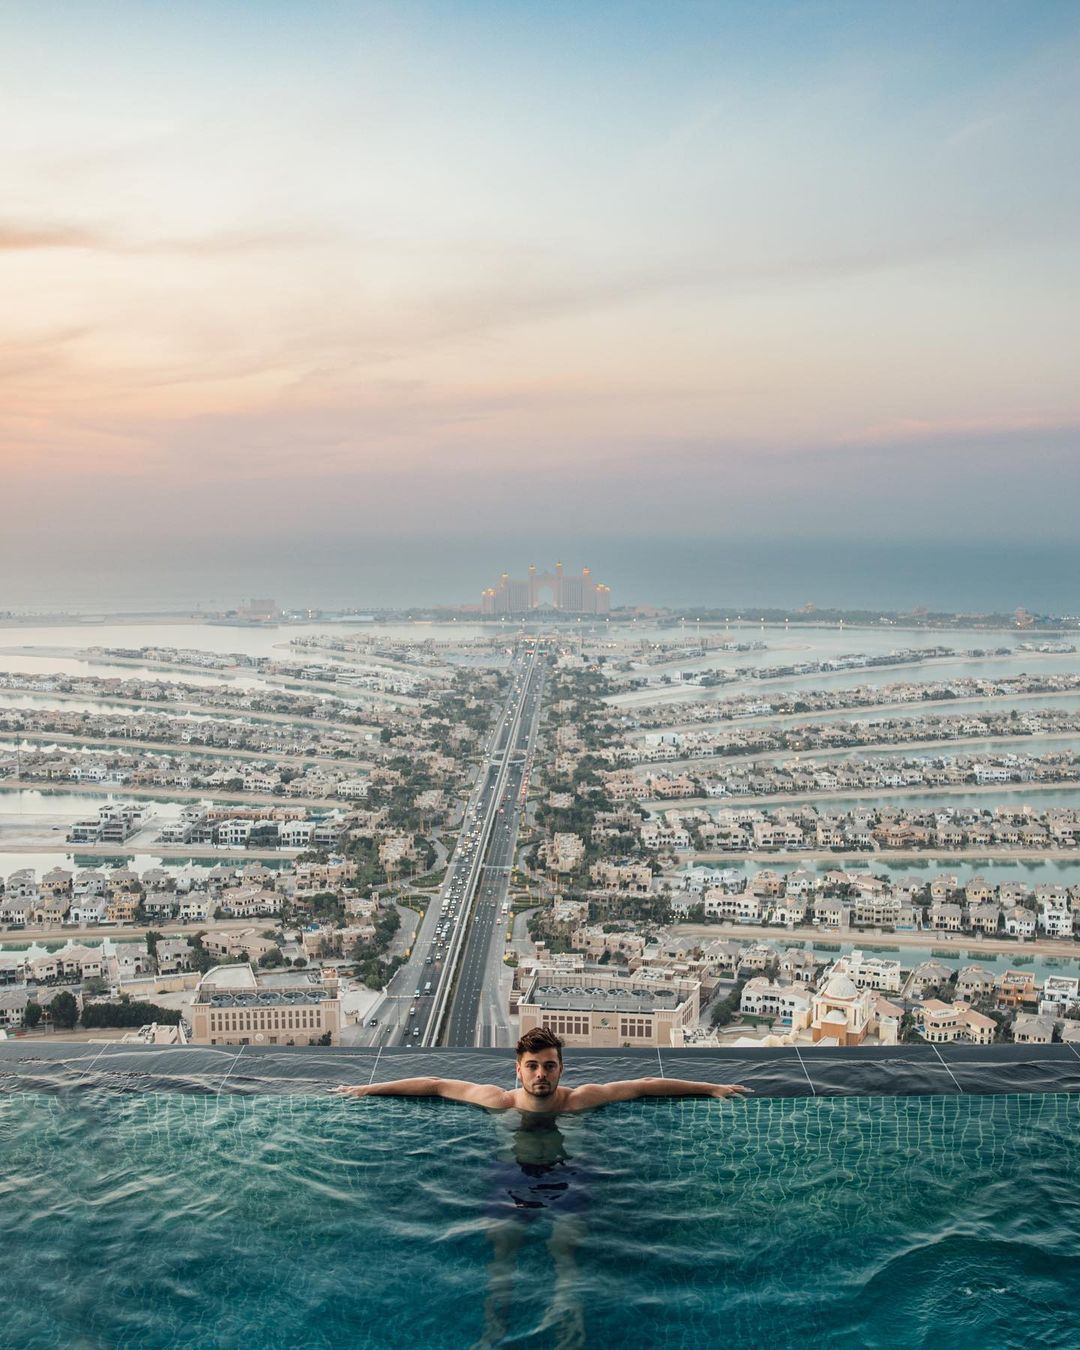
547, 592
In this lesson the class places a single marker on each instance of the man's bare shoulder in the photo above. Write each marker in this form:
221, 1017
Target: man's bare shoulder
489, 1095
586, 1096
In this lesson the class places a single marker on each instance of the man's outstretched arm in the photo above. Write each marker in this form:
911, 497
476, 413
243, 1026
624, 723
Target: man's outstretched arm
453, 1089
598, 1094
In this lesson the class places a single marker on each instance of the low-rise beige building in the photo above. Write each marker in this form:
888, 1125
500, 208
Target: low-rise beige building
594, 942
789, 1004
1031, 1029
564, 851
947, 1022
324, 876
871, 972
626, 877
222, 946
590, 1008
248, 902
233, 1007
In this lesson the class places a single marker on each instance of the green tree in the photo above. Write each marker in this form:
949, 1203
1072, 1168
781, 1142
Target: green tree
63, 1010
727, 1007
201, 960
273, 957
127, 1013
31, 1015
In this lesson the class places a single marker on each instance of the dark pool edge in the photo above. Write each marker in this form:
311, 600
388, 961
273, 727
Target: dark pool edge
789, 1071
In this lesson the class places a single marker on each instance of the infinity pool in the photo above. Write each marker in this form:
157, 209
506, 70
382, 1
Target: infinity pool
153, 1220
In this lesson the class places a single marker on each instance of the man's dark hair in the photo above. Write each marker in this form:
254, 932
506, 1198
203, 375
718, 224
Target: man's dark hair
540, 1038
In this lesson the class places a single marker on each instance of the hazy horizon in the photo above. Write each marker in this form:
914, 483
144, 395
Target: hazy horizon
663, 572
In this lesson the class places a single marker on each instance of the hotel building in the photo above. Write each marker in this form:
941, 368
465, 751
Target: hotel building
545, 591
233, 1007
598, 1009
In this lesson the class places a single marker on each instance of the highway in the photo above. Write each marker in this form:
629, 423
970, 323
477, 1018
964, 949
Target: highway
425, 995
477, 1013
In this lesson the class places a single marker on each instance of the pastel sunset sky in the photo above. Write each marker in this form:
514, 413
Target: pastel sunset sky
581, 269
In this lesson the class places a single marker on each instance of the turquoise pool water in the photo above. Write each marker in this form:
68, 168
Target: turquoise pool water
153, 1220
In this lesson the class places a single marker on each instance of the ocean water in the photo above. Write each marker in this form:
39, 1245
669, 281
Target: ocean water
997, 668
153, 1221
760, 570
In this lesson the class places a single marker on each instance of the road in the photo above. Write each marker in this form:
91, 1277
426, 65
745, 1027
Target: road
479, 1014
420, 1002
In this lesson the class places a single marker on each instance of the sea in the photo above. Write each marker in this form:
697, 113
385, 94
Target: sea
717, 571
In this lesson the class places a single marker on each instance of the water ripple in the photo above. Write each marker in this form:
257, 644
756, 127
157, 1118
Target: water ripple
157, 1221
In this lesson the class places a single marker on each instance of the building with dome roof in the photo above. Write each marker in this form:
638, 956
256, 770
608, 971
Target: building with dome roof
841, 1012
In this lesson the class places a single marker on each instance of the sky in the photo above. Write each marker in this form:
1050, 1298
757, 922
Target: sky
278, 278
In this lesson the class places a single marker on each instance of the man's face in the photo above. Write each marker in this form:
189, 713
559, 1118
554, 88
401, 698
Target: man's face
539, 1073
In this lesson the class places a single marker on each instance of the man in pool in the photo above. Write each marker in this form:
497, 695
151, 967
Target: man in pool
539, 1068
541, 1177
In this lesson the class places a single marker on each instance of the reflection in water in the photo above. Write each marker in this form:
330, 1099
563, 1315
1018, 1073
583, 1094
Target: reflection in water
536, 1177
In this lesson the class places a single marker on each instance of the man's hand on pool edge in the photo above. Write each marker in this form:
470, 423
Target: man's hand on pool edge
731, 1090
343, 1090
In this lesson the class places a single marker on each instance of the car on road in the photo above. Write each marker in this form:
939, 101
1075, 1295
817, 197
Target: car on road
373, 1021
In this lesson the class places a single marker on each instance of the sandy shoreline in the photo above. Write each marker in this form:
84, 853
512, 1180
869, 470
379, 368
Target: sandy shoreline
226, 711
676, 693
225, 674
868, 710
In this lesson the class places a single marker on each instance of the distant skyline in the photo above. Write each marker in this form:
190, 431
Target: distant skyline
352, 281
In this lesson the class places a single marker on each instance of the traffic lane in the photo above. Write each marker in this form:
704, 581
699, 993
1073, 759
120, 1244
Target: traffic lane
475, 958
411, 1028
465, 1022
512, 779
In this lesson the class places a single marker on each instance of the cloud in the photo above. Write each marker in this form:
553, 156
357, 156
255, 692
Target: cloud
961, 436
17, 238
25, 238
31, 353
